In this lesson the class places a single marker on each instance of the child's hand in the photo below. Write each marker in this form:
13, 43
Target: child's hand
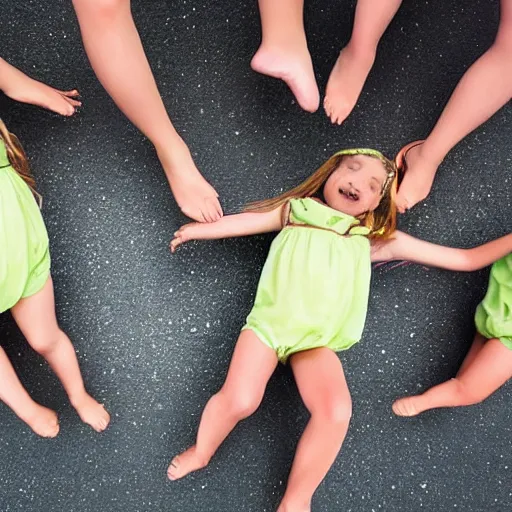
184, 234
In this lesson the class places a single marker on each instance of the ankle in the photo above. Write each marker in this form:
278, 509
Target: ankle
363, 52
77, 398
292, 503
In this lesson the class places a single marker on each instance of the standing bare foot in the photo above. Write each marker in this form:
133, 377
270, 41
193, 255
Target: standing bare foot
196, 198
418, 178
293, 67
21, 87
91, 412
43, 421
185, 463
346, 83
408, 406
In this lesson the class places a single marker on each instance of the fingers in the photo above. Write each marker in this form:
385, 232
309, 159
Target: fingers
175, 242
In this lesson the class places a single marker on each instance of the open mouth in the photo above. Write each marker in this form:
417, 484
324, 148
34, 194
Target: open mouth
351, 195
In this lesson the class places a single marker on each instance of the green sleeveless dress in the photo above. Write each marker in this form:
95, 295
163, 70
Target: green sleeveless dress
493, 317
24, 253
314, 287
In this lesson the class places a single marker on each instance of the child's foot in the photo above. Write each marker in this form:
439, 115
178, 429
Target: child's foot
92, 412
43, 421
408, 406
293, 67
418, 179
21, 87
185, 463
346, 83
196, 198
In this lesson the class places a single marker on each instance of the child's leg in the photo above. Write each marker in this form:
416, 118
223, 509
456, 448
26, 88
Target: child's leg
116, 54
356, 59
251, 366
36, 319
21, 87
284, 53
477, 345
483, 90
41, 420
323, 388
490, 368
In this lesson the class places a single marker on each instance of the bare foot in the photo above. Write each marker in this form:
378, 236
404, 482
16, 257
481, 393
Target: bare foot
293, 67
196, 198
418, 179
346, 83
408, 406
91, 412
43, 421
21, 87
185, 463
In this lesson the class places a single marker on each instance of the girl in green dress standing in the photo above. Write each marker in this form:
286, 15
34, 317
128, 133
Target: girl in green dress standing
26, 288
311, 302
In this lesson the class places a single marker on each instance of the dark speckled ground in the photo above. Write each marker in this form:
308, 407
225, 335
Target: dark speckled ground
154, 333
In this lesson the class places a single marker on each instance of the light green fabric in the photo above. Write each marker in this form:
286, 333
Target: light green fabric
314, 287
24, 253
493, 317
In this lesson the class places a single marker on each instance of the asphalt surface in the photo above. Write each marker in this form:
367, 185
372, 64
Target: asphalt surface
155, 332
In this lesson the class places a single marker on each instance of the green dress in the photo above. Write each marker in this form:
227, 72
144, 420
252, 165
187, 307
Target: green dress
493, 317
24, 253
314, 287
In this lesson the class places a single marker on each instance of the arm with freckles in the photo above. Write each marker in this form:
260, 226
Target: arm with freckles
406, 247
242, 224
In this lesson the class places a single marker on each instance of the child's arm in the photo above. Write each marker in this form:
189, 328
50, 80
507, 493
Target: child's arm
406, 247
242, 224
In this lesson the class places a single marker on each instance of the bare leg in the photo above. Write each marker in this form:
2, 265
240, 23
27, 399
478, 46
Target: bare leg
482, 91
323, 388
284, 53
42, 421
489, 370
21, 87
251, 366
477, 345
36, 319
356, 59
116, 54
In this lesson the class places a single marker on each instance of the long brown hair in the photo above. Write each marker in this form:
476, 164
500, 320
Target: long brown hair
381, 222
17, 158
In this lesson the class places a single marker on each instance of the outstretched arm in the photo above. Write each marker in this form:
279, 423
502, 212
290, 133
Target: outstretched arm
406, 247
229, 226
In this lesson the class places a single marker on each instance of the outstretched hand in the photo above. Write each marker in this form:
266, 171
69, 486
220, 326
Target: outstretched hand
184, 234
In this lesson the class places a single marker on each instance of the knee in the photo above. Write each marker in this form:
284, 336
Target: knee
334, 410
467, 395
101, 8
240, 405
45, 343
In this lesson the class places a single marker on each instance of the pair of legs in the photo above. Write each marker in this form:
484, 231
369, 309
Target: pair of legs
21, 87
284, 53
116, 54
487, 366
36, 319
323, 388
482, 91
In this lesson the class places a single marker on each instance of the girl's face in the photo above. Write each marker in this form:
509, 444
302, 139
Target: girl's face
355, 187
